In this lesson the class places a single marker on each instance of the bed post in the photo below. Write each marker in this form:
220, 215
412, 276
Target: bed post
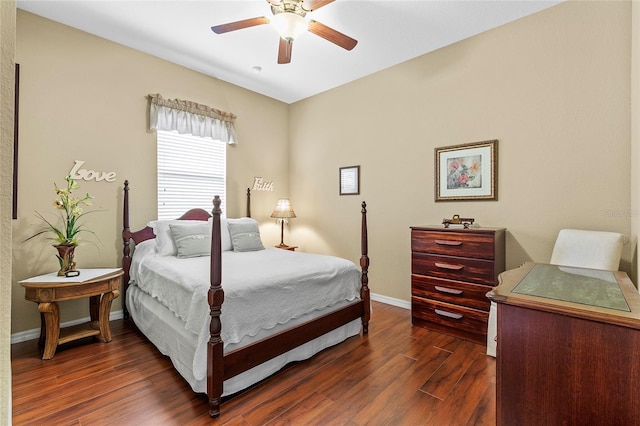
126, 250
215, 360
248, 202
364, 265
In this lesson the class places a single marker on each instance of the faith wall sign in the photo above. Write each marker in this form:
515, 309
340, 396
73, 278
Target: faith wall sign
260, 185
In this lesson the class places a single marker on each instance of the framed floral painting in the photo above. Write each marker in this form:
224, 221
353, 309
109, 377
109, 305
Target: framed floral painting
467, 172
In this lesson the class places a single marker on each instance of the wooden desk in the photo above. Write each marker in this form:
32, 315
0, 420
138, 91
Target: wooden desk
568, 347
101, 286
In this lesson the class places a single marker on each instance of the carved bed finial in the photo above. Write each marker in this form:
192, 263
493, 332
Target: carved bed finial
248, 202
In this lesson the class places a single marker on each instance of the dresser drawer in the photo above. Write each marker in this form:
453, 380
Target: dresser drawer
480, 246
445, 314
456, 292
454, 268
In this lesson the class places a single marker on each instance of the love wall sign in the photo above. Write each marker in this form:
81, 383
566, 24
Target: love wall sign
78, 173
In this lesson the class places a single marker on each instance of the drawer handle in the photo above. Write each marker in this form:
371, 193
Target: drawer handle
449, 266
448, 243
448, 314
448, 290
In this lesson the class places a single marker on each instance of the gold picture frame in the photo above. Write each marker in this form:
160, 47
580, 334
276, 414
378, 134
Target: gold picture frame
467, 172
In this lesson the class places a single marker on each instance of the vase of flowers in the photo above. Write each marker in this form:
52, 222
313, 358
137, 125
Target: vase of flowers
65, 257
66, 235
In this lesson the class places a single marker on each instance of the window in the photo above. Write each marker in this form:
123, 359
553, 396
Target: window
191, 170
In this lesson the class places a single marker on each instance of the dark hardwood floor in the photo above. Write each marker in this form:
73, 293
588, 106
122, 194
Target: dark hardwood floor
397, 375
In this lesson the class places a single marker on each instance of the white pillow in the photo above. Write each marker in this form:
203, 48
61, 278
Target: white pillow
224, 231
164, 239
191, 241
237, 220
245, 235
242, 220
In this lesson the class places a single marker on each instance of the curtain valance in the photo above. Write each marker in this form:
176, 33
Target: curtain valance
189, 117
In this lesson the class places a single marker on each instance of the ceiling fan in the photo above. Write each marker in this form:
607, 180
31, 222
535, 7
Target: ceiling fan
289, 19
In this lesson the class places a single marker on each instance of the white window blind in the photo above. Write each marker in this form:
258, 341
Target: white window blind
191, 171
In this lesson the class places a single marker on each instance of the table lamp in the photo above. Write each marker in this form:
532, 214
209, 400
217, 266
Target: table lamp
283, 212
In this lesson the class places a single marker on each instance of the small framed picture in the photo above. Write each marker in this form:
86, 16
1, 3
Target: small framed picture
350, 180
467, 172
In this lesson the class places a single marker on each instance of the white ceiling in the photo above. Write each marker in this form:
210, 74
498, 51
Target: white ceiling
388, 32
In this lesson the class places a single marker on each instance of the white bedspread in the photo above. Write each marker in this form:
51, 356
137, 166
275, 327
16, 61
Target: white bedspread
262, 288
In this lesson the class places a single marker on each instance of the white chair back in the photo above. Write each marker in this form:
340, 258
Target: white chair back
588, 249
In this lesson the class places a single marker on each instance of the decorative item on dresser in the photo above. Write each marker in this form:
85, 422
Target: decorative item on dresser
452, 269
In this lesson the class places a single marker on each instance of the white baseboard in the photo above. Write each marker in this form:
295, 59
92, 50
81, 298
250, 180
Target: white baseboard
391, 301
23, 336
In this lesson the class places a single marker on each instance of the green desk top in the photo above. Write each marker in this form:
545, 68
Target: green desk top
586, 286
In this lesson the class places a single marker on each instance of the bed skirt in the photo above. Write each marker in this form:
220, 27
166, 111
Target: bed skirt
167, 332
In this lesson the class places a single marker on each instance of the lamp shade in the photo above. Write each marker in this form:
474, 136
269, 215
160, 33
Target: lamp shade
289, 25
283, 209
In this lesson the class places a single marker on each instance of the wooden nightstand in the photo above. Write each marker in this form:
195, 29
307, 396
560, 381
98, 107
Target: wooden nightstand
101, 286
285, 247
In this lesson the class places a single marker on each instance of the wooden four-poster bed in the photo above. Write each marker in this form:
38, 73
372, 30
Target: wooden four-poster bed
261, 352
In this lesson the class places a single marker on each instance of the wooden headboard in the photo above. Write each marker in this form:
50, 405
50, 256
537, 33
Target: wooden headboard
146, 233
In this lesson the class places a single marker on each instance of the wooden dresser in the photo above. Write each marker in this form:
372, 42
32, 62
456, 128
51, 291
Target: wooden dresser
568, 347
452, 269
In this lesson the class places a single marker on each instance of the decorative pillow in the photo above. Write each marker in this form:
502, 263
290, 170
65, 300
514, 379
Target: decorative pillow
245, 234
192, 240
224, 231
239, 220
164, 239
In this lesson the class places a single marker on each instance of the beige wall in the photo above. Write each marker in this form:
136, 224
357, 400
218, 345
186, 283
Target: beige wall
7, 66
83, 98
553, 88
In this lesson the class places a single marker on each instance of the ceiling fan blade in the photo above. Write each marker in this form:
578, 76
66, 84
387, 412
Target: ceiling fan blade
310, 5
238, 25
335, 37
284, 51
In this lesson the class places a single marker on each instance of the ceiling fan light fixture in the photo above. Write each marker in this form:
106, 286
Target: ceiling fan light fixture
289, 25
289, 19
